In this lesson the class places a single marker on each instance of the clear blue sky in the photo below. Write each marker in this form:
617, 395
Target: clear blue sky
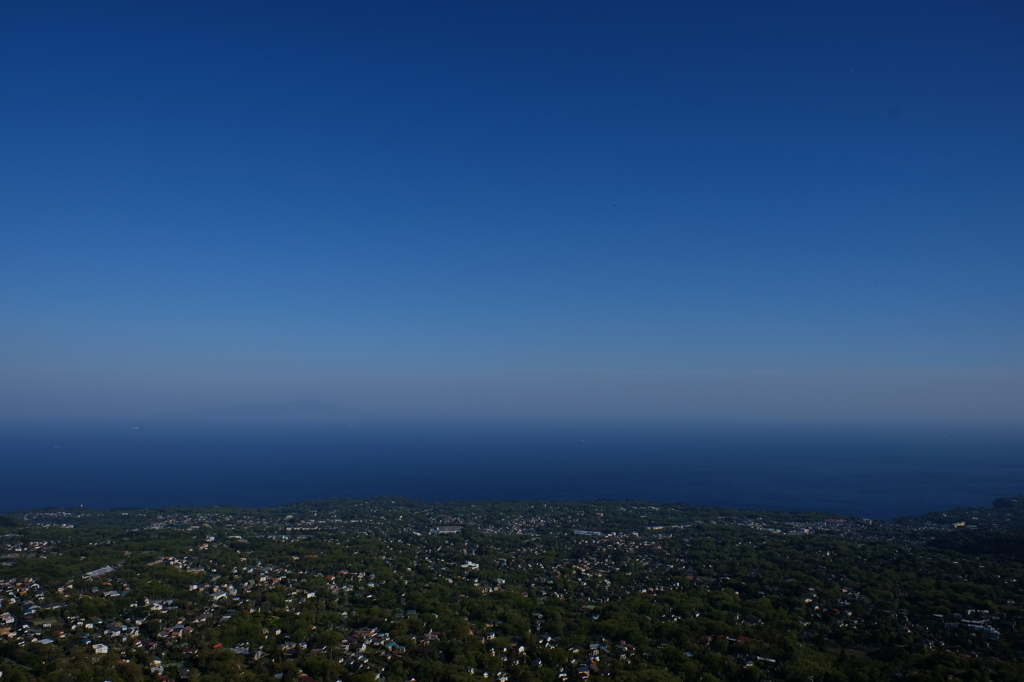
477, 210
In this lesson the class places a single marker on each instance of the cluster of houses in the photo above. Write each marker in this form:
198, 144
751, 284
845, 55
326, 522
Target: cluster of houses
571, 556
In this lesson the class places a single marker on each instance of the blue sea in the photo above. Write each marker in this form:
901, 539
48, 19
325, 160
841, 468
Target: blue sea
872, 473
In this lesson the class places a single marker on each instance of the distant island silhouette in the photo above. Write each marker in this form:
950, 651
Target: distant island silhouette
310, 409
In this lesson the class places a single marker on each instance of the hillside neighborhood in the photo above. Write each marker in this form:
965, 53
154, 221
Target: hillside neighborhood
402, 590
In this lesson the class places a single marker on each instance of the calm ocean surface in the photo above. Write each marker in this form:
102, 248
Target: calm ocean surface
877, 474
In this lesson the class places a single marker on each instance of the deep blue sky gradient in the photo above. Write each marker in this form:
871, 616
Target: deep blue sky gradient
523, 210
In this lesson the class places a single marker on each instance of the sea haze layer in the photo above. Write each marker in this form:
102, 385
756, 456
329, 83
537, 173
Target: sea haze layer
879, 473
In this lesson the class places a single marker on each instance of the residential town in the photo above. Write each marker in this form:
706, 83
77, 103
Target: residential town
394, 589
